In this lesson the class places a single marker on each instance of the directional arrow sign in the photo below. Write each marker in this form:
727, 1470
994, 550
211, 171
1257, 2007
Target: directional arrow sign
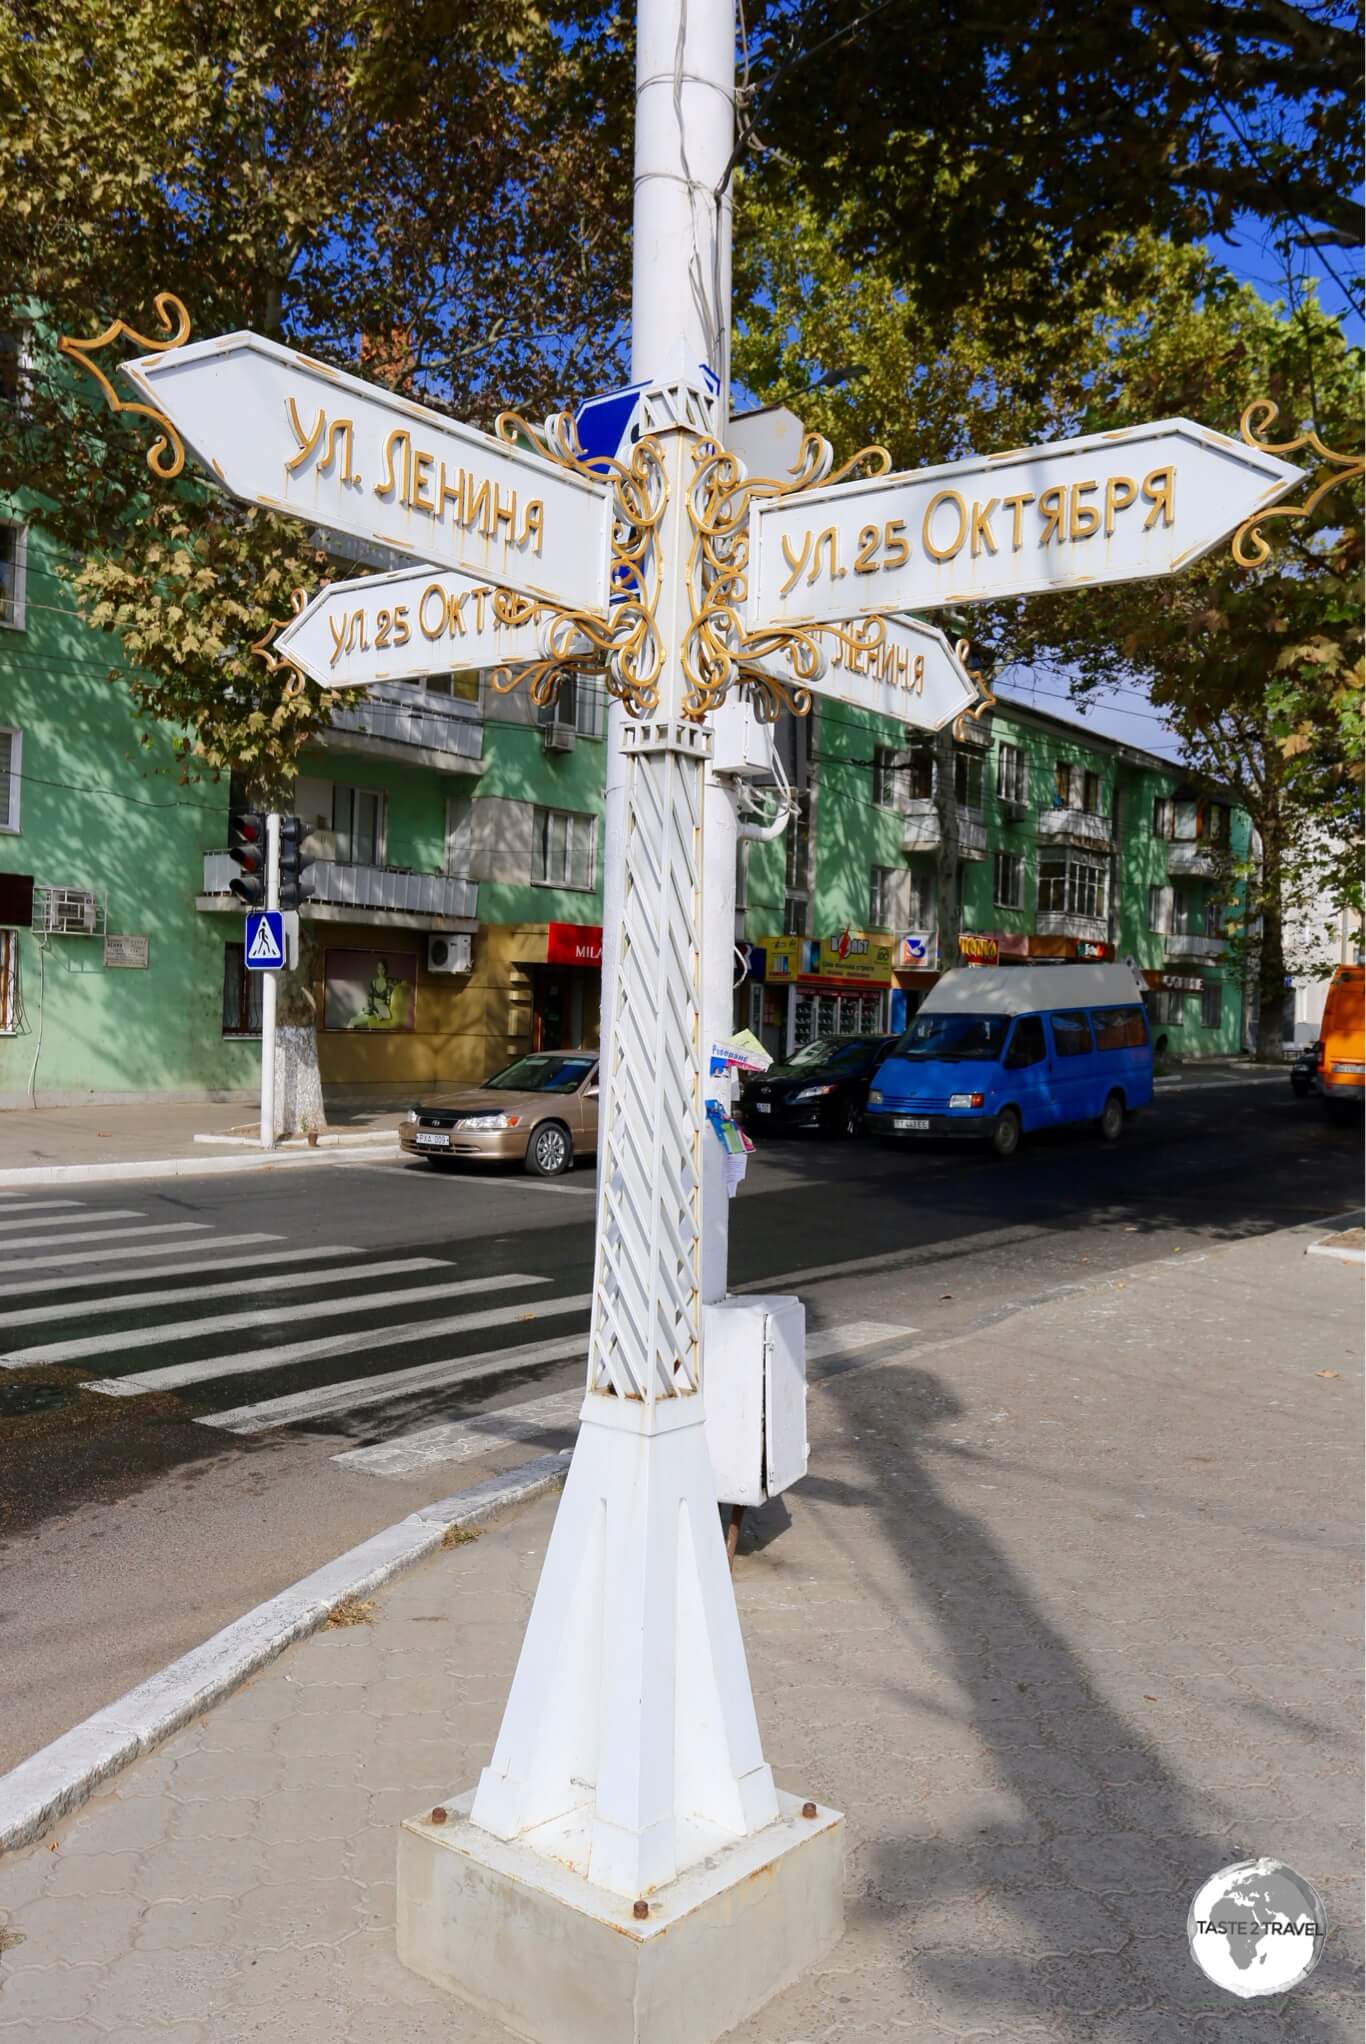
399, 626
1114, 507
914, 676
282, 430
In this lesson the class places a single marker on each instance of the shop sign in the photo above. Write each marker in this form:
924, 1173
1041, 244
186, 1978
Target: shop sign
979, 950
782, 957
917, 951
1069, 947
573, 944
1177, 982
854, 955
126, 951
1087, 949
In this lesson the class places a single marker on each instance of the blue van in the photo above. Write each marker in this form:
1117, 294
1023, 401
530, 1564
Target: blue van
997, 1052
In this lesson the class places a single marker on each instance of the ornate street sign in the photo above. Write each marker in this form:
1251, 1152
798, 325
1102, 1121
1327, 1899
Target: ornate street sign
297, 436
1114, 507
912, 672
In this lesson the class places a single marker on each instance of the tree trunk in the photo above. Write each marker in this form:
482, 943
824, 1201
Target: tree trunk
298, 1082
1269, 985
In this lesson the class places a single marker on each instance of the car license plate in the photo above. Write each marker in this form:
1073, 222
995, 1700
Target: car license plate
902, 1121
427, 1141
762, 1107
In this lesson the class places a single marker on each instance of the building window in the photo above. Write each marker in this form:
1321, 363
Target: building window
16, 368
1218, 818
11, 751
1008, 880
921, 909
241, 994
881, 880
794, 915
564, 845
579, 706
798, 842
9, 982
1185, 822
888, 767
1164, 816
920, 774
461, 687
1078, 787
13, 575
1011, 775
1166, 1006
1214, 918
1211, 1004
358, 826
1160, 910
1069, 885
967, 779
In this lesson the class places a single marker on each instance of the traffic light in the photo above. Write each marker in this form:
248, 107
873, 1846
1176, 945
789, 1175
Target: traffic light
247, 849
295, 876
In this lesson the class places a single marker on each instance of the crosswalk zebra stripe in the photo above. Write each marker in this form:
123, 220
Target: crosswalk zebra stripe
38, 1206
128, 1277
461, 1440
299, 1406
165, 1332
173, 1375
254, 1282
70, 1242
80, 1220
557, 1411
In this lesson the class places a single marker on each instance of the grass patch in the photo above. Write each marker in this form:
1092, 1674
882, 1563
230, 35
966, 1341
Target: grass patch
10, 1938
352, 1611
459, 1536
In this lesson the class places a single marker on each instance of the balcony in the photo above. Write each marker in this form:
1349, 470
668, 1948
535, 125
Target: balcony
412, 732
1199, 862
363, 894
1195, 947
920, 831
1078, 827
1065, 923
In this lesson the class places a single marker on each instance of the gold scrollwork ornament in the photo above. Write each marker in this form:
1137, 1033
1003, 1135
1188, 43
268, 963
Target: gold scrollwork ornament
264, 648
166, 455
1250, 549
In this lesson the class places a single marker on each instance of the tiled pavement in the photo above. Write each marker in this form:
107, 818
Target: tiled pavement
1064, 1619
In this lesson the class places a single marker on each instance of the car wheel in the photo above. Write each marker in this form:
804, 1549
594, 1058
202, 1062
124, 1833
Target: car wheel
1005, 1136
550, 1152
1112, 1118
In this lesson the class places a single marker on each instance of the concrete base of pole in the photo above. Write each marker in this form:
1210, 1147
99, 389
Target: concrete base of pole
561, 1962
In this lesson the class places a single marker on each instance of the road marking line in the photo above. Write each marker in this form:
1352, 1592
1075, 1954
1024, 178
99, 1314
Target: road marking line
166, 1332
555, 1412
461, 1440
174, 1375
508, 1184
361, 1391
295, 1280
17, 1204
127, 1277
81, 1220
70, 1242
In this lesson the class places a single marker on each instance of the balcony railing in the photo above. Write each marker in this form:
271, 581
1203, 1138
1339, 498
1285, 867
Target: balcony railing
1202, 862
456, 738
1052, 922
1076, 827
331, 884
1194, 946
920, 831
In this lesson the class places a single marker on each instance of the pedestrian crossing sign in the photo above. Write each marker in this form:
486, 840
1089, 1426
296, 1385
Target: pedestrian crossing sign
265, 945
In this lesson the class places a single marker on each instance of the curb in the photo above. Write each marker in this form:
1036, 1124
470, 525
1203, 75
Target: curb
333, 1140
173, 1167
1338, 1255
61, 1776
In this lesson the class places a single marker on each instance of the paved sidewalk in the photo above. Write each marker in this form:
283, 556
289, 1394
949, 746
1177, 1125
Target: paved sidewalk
1065, 1619
150, 1131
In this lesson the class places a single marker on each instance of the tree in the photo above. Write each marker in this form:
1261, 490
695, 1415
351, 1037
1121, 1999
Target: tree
367, 179
1257, 669
957, 140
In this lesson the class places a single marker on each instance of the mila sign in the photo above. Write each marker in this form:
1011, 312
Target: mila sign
1114, 507
299, 437
399, 627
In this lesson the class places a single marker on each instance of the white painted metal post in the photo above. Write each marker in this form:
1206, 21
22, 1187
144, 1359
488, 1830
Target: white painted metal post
268, 990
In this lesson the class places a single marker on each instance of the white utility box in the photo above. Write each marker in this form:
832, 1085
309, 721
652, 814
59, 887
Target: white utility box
754, 1386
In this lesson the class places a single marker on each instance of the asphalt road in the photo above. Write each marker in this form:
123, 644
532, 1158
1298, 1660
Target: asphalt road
257, 1326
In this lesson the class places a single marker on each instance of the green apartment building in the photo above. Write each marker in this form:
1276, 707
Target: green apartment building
1021, 836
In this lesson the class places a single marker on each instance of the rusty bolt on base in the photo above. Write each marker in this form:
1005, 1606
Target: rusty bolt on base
640, 1910
438, 1815
808, 1809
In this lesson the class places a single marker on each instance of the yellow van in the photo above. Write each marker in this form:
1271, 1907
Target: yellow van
1342, 1038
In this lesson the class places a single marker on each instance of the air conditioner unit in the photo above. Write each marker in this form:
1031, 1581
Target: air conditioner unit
449, 952
66, 912
558, 737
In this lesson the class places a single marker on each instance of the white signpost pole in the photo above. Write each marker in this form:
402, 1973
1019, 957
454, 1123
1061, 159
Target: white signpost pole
599, 1887
269, 990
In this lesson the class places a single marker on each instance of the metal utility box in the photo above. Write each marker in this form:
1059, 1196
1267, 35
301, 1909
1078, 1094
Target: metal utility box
754, 1385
